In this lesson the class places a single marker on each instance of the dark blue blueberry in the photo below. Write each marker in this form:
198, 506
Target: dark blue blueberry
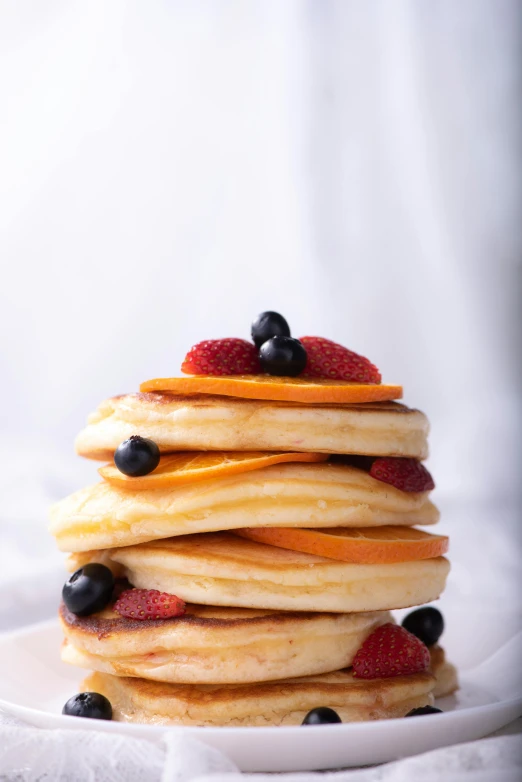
423, 710
267, 325
89, 704
321, 716
89, 589
426, 623
137, 456
283, 356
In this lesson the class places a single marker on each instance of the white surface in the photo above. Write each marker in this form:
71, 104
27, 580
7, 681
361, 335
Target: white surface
37, 684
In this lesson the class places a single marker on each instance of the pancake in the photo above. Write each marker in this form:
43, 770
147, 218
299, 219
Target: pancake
216, 645
285, 495
277, 703
222, 569
445, 673
201, 422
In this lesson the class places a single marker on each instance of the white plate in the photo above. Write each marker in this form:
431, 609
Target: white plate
36, 684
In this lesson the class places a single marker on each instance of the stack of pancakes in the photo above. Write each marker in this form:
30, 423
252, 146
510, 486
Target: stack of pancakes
269, 633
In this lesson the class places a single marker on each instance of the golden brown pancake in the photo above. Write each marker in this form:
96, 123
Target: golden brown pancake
275, 703
201, 422
445, 673
216, 645
284, 495
222, 569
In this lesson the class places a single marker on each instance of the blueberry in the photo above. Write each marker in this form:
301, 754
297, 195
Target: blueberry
89, 704
137, 456
89, 589
423, 710
268, 325
282, 356
426, 623
321, 716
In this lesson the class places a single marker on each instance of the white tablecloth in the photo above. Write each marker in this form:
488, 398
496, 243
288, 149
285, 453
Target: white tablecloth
30, 755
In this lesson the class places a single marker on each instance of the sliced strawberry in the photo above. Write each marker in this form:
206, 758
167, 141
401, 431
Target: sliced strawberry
404, 474
148, 604
390, 651
328, 359
229, 356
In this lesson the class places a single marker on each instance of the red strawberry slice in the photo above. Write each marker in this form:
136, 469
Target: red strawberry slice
390, 651
148, 604
404, 474
328, 359
229, 356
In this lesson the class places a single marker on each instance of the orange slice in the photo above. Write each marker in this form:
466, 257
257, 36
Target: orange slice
191, 466
369, 546
277, 389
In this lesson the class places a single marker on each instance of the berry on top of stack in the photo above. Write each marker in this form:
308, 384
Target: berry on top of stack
252, 530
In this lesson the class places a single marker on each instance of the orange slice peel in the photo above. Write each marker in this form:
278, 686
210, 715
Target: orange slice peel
276, 389
368, 546
190, 467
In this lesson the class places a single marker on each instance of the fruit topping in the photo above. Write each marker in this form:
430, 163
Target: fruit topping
423, 710
190, 467
267, 325
426, 624
282, 356
369, 546
229, 356
89, 589
404, 474
137, 456
295, 389
89, 704
390, 651
321, 716
328, 359
149, 604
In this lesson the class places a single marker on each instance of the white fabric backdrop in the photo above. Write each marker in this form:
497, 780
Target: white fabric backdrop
170, 169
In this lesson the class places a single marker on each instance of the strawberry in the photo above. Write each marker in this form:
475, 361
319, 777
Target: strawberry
330, 360
390, 651
404, 474
222, 357
148, 604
